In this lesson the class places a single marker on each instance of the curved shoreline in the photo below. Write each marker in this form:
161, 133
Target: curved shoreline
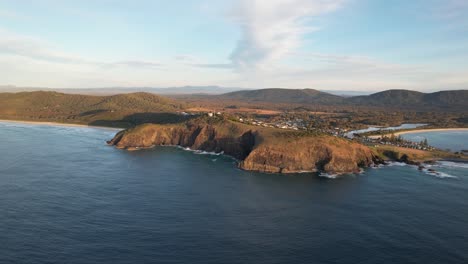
46, 123
420, 131
430, 130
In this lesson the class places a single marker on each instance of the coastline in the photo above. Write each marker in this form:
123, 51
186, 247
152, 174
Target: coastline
420, 131
47, 123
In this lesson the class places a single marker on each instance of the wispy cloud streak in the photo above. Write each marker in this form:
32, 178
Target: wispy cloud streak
272, 28
36, 49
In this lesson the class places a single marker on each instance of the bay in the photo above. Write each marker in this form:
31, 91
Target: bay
67, 197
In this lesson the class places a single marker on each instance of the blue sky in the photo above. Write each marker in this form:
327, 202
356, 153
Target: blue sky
323, 44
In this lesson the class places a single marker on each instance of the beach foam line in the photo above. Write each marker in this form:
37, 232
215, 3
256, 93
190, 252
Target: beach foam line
422, 131
431, 130
56, 124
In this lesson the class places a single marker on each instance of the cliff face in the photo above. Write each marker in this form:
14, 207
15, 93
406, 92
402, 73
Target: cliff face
258, 149
309, 154
226, 137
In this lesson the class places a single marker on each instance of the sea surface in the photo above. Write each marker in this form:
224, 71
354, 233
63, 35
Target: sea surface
350, 134
454, 140
66, 197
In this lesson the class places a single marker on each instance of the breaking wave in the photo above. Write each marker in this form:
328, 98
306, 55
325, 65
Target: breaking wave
439, 174
451, 164
202, 152
328, 175
396, 163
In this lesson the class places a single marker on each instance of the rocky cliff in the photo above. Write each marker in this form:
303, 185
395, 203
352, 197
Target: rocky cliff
256, 148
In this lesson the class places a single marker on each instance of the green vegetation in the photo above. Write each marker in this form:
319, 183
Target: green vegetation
411, 99
318, 111
414, 156
313, 100
123, 110
277, 95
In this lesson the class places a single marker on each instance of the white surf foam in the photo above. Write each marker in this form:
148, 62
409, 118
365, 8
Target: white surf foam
328, 175
396, 163
201, 152
439, 174
451, 164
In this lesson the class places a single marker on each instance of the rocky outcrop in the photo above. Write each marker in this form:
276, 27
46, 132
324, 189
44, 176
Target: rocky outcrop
216, 137
257, 149
309, 154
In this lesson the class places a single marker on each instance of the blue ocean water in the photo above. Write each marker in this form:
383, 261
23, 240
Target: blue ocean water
454, 140
350, 134
66, 197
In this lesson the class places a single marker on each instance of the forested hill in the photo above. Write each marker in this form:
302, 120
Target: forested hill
124, 109
450, 100
406, 98
280, 95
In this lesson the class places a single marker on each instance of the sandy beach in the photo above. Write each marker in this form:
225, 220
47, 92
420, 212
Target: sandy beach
56, 124
421, 131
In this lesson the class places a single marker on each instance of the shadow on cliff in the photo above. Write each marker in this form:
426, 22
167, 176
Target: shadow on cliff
143, 118
238, 147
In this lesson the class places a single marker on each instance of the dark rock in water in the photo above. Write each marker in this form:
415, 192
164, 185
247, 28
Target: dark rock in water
421, 167
404, 158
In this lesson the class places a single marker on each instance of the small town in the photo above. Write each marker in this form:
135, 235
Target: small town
303, 125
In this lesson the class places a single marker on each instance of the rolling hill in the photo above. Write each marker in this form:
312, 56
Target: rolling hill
447, 100
457, 99
279, 95
116, 110
126, 110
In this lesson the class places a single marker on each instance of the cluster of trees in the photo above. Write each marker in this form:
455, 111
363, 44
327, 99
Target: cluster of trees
400, 140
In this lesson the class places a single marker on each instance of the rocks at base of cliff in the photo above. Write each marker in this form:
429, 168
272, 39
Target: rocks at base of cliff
205, 137
258, 149
309, 154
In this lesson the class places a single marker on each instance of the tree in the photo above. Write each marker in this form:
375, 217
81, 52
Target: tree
424, 143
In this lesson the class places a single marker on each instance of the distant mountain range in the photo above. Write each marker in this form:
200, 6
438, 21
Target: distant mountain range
124, 90
406, 98
449, 100
179, 90
279, 95
457, 99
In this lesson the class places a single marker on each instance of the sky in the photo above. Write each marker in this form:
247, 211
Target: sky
363, 45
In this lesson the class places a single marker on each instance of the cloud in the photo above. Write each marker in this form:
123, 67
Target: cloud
213, 65
196, 62
356, 64
350, 72
137, 64
33, 48
36, 49
185, 57
271, 29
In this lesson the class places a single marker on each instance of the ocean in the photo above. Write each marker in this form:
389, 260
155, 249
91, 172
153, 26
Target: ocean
67, 197
455, 140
